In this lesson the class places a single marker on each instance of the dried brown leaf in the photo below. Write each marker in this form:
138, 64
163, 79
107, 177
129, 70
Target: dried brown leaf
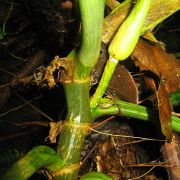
144, 57
167, 67
164, 110
171, 153
55, 130
153, 58
123, 85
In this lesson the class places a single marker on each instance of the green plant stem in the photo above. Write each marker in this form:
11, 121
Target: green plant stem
109, 107
106, 77
78, 117
92, 15
76, 127
40, 156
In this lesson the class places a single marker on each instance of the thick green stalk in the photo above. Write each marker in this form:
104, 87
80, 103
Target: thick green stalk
109, 107
92, 15
38, 157
75, 128
77, 121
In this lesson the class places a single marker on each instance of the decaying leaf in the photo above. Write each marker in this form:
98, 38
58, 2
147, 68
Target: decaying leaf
55, 130
67, 74
167, 67
164, 110
171, 152
154, 59
123, 85
144, 58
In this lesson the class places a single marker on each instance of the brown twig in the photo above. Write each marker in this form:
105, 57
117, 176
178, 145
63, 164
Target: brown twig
35, 123
35, 61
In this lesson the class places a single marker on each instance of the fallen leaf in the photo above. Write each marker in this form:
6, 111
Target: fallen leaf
167, 67
123, 85
153, 58
171, 152
164, 110
143, 57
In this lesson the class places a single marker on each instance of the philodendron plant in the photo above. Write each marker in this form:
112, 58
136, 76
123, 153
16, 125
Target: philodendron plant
64, 163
